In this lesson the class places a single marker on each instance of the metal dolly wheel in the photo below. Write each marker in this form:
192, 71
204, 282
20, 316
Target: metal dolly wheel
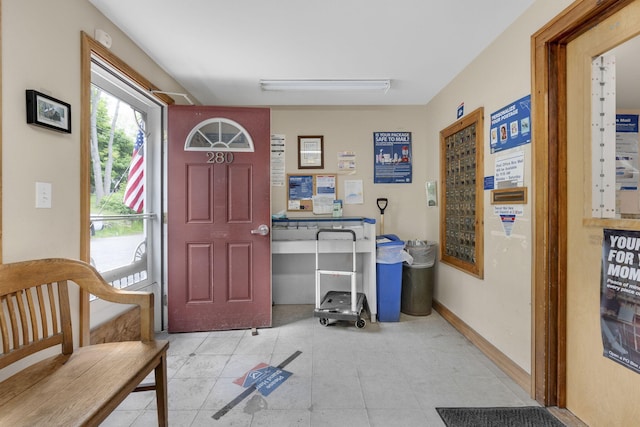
339, 305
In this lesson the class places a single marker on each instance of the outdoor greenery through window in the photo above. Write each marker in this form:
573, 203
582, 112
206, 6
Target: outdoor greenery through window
118, 239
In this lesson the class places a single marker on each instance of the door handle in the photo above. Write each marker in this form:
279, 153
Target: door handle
262, 230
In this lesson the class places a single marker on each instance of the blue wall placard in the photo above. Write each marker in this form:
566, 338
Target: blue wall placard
301, 187
627, 123
392, 157
511, 125
489, 182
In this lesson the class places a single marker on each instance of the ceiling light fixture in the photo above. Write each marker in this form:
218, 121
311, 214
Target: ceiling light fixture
326, 85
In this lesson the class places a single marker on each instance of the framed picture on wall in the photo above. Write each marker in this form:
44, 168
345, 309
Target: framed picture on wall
310, 152
48, 112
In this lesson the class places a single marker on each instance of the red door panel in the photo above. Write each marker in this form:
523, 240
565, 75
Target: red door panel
240, 193
219, 272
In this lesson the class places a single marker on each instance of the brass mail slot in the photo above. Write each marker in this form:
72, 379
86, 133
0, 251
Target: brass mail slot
504, 196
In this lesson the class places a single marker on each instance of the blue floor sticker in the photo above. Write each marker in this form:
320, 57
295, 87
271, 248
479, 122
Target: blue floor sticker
265, 378
271, 382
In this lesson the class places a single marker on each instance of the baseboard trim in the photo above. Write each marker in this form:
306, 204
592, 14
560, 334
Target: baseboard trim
515, 372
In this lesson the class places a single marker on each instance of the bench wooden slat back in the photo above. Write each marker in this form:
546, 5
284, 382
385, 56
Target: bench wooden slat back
38, 290
34, 319
78, 387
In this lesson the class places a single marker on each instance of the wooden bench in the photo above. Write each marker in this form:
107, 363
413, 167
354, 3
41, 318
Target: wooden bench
71, 387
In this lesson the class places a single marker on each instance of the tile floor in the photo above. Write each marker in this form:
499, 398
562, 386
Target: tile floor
387, 374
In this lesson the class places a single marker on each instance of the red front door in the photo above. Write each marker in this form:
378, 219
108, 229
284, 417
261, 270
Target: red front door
219, 253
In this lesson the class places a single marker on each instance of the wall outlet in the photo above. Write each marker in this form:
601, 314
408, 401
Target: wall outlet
43, 195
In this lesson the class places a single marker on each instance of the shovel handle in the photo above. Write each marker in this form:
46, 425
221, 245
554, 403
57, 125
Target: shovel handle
382, 204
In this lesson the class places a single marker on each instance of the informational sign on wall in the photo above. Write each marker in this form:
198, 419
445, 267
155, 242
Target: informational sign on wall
277, 160
392, 157
311, 192
627, 165
507, 223
620, 297
353, 191
627, 152
510, 170
511, 125
346, 162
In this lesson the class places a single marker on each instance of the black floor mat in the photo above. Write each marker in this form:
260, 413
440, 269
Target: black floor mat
528, 416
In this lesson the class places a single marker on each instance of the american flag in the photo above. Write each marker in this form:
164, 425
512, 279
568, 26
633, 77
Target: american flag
134, 193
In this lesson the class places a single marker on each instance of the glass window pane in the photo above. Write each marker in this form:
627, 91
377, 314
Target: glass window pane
218, 135
615, 133
118, 228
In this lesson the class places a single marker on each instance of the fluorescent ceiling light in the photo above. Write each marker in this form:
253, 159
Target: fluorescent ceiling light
326, 85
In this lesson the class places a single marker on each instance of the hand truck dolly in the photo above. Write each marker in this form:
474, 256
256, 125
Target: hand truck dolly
335, 304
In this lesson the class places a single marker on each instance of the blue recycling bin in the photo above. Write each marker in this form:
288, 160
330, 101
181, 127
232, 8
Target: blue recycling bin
389, 259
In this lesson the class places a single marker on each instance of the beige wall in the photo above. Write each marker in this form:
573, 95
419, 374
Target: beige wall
498, 307
351, 129
41, 51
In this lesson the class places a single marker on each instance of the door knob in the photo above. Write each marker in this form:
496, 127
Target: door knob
262, 230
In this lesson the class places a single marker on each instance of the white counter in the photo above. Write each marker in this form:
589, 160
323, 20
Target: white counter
293, 265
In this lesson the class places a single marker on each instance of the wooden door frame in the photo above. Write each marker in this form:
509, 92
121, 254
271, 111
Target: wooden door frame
89, 48
549, 108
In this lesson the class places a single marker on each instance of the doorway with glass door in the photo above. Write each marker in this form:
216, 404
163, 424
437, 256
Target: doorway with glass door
125, 199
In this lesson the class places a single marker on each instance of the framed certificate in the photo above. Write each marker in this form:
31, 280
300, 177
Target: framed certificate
310, 152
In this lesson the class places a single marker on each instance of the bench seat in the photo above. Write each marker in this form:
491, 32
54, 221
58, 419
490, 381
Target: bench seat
78, 389
78, 386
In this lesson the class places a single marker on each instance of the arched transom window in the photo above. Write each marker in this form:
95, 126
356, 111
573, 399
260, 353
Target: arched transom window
218, 134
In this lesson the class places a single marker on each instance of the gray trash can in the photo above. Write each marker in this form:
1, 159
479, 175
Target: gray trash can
418, 279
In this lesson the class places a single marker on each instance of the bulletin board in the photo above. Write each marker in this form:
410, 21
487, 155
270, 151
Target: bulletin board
461, 208
311, 192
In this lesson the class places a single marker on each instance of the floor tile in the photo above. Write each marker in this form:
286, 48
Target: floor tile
388, 373
219, 345
336, 393
121, 417
340, 417
281, 418
176, 419
397, 417
388, 393
202, 366
188, 393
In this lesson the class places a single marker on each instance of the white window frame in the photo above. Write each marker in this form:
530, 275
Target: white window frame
110, 80
219, 144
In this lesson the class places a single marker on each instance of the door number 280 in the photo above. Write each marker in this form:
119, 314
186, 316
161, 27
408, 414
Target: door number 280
219, 157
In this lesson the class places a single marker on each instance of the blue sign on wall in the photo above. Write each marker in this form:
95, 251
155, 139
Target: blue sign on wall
627, 123
392, 157
301, 187
511, 125
489, 182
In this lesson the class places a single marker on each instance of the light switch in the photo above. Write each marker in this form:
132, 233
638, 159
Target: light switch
43, 195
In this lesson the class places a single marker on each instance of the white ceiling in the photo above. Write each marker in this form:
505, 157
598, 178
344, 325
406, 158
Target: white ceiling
627, 72
219, 50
